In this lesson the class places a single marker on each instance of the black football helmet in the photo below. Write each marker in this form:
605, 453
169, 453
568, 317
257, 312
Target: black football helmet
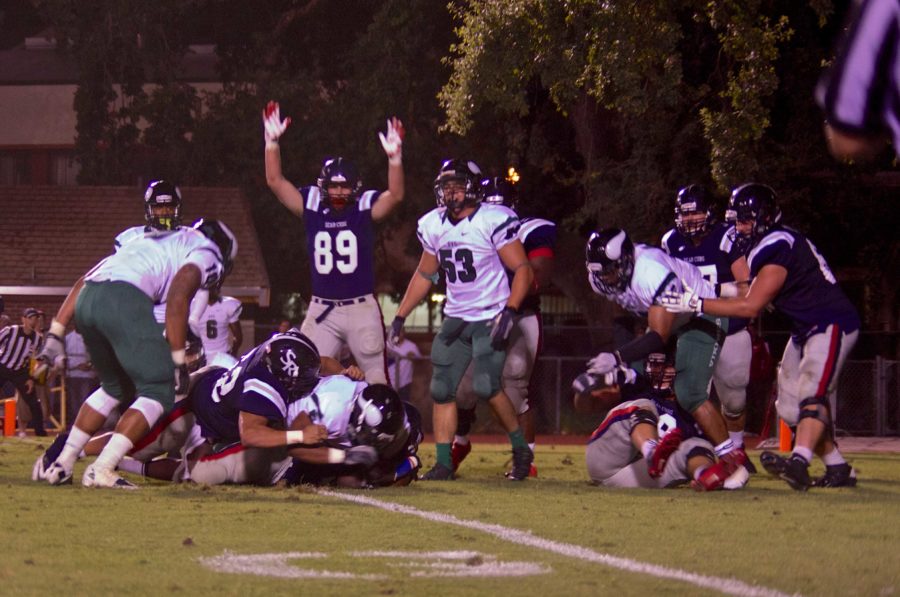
194, 354
499, 191
378, 419
693, 199
610, 261
660, 370
162, 194
222, 236
339, 171
466, 172
294, 361
755, 203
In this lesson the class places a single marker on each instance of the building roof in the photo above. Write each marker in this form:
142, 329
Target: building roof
27, 64
50, 236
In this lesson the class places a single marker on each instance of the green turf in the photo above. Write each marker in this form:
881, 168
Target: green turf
80, 541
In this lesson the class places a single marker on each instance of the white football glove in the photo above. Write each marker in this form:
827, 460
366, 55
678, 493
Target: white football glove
273, 125
686, 301
392, 142
620, 376
603, 363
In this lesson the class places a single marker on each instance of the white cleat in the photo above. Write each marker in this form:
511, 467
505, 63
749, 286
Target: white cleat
737, 479
55, 474
101, 477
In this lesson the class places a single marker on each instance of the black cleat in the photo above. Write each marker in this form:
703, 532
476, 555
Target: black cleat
837, 475
793, 470
751, 468
38, 472
438, 472
522, 459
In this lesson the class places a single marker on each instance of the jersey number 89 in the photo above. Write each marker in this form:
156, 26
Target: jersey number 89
341, 252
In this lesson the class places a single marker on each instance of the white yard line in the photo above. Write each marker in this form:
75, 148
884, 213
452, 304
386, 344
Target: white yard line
729, 586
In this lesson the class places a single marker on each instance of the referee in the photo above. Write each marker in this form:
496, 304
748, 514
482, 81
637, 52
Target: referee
17, 342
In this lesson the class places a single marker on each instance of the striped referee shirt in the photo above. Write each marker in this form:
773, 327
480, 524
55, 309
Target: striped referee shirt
16, 347
860, 93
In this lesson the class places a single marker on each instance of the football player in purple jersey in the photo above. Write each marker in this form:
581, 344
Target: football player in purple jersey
340, 240
789, 272
700, 240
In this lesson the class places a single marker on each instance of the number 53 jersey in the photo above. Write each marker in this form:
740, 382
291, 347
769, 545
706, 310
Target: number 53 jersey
477, 286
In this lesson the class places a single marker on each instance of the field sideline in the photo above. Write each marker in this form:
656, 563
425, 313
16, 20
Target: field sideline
478, 535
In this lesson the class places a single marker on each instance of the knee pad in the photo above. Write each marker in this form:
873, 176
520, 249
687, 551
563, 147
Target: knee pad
151, 409
516, 367
372, 343
484, 387
701, 451
815, 408
440, 389
101, 402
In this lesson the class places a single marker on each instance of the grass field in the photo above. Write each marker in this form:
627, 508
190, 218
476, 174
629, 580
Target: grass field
479, 535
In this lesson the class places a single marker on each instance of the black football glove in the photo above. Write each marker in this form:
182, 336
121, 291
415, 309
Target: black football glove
396, 328
501, 327
182, 380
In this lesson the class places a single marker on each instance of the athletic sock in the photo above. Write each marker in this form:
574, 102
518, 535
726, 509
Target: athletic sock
462, 440
737, 438
76, 442
115, 450
834, 458
443, 455
517, 439
532, 446
804, 453
130, 465
724, 448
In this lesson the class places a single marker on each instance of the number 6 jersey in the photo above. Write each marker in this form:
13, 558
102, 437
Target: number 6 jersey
477, 286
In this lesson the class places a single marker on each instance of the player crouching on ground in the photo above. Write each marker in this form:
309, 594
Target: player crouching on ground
648, 440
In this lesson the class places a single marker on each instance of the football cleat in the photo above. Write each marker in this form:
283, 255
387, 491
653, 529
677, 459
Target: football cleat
56, 474
793, 470
522, 459
458, 453
532, 472
101, 477
438, 472
837, 475
39, 470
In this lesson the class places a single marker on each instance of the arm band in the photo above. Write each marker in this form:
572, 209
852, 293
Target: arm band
640, 347
433, 278
178, 357
336, 456
57, 328
293, 437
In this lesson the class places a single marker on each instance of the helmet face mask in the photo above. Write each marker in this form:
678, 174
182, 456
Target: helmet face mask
660, 369
499, 191
162, 205
339, 183
378, 419
458, 185
693, 211
753, 210
610, 261
295, 363
223, 238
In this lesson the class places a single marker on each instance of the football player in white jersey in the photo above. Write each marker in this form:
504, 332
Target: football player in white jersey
473, 244
635, 276
538, 237
340, 236
162, 213
219, 328
113, 309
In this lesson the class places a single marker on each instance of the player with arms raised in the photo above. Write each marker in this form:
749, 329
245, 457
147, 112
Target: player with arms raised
340, 242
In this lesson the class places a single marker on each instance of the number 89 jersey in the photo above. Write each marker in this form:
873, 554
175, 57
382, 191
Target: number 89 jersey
341, 245
477, 286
